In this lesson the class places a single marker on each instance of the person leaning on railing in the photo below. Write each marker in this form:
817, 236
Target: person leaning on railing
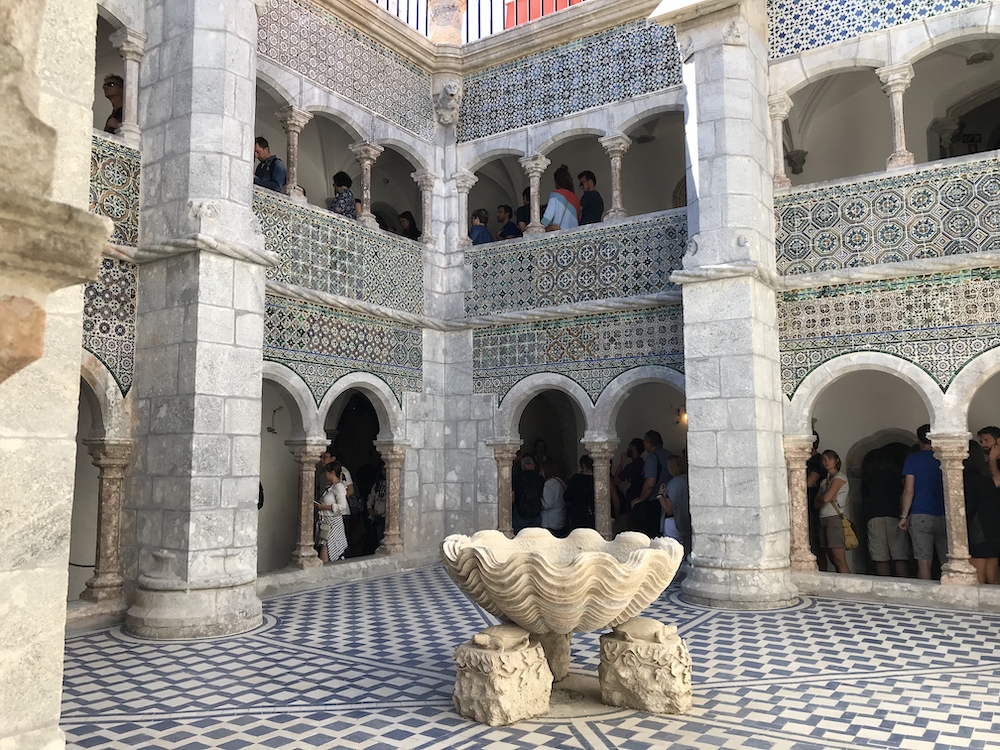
271, 172
343, 201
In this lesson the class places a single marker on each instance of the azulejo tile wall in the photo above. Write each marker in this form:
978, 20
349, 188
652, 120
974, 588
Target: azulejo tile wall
590, 263
948, 210
311, 41
327, 253
114, 188
939, 322
627, 61
591, 350
322, 345
797, 25
109, 319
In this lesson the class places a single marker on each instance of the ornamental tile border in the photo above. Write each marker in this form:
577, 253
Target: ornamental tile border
109, 315
322, 345
591, 350
596, 262
330, 254
937, 211
798, 25
314, 43
114, 188
624, 62
912, 318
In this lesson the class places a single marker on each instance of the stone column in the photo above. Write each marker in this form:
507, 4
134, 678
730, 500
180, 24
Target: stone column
798, 448
111, 457
366, 154
602, 452
739, 500
535, 166
292, 120
947, 128
779, 105
504, 454
307, 453
951, 451
616, 146
131, 44
444, 21
464, 181
895, 80
425, 181
393, 454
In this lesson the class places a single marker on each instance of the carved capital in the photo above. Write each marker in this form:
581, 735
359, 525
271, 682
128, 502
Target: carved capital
601, 450
130, 43
504, 452
425, 180
293, 119
464, 181
535, 165
950, 447
366, 152
895, 78
615, 145
308, 451
108, 453
798, 448
779, 105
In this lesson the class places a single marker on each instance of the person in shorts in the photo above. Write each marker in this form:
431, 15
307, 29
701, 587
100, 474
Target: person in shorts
922, 505
888, 545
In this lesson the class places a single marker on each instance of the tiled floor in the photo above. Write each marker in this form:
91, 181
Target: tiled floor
368, 665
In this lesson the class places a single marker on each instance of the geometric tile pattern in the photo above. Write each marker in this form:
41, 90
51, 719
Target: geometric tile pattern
797, 25
109, 319
309, 40
947, 210
369, 665
591, 350
591, 263
114, 188
323, 345
938, 322
327, 253
612, 66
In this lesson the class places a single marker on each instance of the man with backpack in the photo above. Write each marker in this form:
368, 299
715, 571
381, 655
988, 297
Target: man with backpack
528, 487
271, 172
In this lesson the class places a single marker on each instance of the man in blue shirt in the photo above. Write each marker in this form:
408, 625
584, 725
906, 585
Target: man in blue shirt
922, 505
478, 233
591, 202
271, 172
646, 509
508, 229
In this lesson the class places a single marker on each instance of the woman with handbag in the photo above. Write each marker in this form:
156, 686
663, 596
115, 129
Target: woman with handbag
832, 498
332, 509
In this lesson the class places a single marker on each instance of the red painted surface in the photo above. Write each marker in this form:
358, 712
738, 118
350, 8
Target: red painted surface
522, 11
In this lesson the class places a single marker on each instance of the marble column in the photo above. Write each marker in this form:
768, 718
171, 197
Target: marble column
798, 449
393, 454
292, 120
616, 146
602, 452
535, 166
504, 454
366, 154
464, 182
779, 105
895, 80
110, 457
951, 451
426, 181
307, 453
738, 485
131, 44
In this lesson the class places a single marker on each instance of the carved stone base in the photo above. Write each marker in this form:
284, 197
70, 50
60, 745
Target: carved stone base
645, 665
557, 654
502, 677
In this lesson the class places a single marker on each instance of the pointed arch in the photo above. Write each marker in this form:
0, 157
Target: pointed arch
111, 415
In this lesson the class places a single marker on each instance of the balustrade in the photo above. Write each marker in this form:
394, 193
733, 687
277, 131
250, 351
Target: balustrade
482, 18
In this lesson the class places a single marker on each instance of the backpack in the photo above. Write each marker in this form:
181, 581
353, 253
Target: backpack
529, 504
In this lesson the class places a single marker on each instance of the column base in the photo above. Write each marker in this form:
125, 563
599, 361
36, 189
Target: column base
369, 220
102, 589
958, 573
391, 545
130, 133
782, 181
535, 229
805, 563
303, 559
616, 213
739, 589
193, 613
900, 159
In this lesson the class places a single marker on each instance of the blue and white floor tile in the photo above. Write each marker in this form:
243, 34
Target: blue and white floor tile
368, 666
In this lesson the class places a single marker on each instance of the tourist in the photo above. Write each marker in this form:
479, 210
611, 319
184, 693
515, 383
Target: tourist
626, 483
270, 172
114, 92
408, 226
508, 229
343, 202
881, 487
376, 512
580, 497
563, 210
591, 202
332, 509
646, 511
673, 498
478, 232
922, 505
528, 489
982, 514
523, 215
815, 473
540, 451
989, 439
553, 499
322, 482
831, 501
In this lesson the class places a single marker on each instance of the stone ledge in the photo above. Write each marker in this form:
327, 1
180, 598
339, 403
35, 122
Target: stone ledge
910, 591
83, 615
291, 580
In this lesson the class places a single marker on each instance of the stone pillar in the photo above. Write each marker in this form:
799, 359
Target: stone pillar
951, 451
425, 181
292, 120
739, 501
947, 128
504, 454
616, 146
199, 331
779, 105
535, 166
798, 449
131, 44
464, 181
366, 154
307, 453
111, 457
602, 452
393, 454
895, 80
444, 21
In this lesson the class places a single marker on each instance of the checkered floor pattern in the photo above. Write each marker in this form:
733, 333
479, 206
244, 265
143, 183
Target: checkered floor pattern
367, 666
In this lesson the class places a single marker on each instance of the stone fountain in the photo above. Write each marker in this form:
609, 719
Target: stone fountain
544, 589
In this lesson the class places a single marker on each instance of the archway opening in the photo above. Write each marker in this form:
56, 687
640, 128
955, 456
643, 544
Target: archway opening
984, 409
84, 525
393, 190
108, 62
277, 520
654, 166
502, 182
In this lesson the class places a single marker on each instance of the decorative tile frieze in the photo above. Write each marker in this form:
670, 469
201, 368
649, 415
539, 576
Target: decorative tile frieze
109, 319
938, 322
624, 62
591, 350
323, 345
797, 25
952, 209
325, 252
312, 42
594, 262
114, 188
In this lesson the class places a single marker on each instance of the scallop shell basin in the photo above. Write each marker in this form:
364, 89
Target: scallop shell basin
548, 585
